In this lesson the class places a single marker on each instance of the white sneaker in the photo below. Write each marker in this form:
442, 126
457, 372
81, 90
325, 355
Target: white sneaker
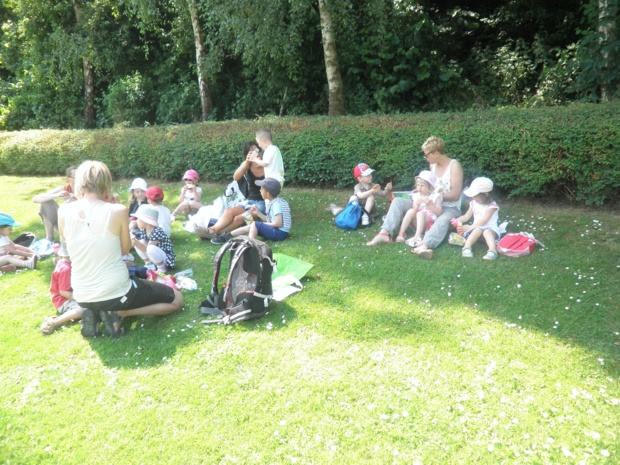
365, 220
31, 263
467, 253
335, 209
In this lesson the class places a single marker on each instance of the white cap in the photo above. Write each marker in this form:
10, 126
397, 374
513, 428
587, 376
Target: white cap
479, 186
138, 183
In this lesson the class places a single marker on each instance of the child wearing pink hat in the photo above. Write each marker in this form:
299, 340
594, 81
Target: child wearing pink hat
191, 195
425, 209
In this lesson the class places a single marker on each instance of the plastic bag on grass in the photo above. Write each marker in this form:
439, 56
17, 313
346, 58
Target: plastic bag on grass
286, 276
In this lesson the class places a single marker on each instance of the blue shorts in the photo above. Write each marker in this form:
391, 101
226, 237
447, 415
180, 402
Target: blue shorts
269, 232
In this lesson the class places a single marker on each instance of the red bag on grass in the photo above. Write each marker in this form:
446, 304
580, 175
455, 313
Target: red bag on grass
518, 244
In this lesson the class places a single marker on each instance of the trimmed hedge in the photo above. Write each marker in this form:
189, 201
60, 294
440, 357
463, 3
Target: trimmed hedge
573, 151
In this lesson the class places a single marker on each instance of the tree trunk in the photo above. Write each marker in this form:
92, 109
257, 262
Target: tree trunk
89, 79
332, 66
607, 34
203, 85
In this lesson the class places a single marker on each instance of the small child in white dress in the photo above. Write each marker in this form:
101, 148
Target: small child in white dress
426, 207
485, 212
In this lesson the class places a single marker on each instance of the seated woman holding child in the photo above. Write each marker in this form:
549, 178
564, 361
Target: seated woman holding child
449, 183
233, 217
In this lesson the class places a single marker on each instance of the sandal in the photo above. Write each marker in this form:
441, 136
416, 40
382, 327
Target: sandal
425, 253
112, 322
414, 241
48, 326
401, 237
90, 323
490, 255
378, 239
205, 234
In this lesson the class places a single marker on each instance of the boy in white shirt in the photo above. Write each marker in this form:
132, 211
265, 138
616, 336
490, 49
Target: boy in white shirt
272, 158
155, 196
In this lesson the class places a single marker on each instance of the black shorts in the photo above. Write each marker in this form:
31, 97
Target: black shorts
141, 294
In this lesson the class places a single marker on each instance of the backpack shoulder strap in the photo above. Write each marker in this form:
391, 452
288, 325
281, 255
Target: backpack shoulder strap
217, 262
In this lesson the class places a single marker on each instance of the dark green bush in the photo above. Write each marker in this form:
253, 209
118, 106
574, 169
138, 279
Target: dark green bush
572, 151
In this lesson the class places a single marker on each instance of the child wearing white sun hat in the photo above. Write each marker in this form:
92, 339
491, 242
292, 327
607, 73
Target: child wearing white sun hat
485, 212
151, 242
426, 207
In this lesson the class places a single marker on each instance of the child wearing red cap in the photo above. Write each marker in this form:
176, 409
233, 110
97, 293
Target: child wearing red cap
155, 196
365, 193
191, 195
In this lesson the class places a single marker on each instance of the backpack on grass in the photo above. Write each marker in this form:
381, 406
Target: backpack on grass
350, 218
25, 239
247, 291
518, 244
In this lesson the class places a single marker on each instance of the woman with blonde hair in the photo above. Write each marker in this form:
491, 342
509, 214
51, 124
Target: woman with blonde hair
96, 234
449, 183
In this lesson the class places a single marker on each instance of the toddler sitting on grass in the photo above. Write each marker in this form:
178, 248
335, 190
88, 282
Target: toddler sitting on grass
62, 296
12, 256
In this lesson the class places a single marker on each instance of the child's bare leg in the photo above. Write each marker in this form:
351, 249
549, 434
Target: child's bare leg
472, 238
181, 209
66, 317
489, 237
370, 203
12, 260
241, 231
421, 222
193, 206
408, 219
253, 233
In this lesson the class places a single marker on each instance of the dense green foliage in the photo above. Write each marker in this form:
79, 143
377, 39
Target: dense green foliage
265, 57
556, 151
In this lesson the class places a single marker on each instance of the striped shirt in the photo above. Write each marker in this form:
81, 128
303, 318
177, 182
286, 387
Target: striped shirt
279, 206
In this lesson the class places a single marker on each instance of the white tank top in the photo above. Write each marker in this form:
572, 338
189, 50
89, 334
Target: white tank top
445, 182
98, 272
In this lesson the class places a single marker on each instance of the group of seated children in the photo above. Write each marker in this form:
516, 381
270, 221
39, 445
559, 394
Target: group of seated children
426, 206
150, 220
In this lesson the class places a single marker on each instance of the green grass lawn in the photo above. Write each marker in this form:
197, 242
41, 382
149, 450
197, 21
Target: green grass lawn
383, 358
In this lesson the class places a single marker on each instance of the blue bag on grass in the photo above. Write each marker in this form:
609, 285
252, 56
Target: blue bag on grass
351, 217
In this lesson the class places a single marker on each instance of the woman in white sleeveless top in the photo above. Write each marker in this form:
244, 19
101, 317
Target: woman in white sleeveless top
449, 182
96, 234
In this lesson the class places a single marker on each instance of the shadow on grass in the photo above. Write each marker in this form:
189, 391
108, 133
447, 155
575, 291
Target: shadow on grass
567, 292
154, 341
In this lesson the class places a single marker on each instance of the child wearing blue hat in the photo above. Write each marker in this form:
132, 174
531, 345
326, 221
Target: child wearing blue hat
12, 255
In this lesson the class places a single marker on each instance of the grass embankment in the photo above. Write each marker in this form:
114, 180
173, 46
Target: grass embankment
383, 358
